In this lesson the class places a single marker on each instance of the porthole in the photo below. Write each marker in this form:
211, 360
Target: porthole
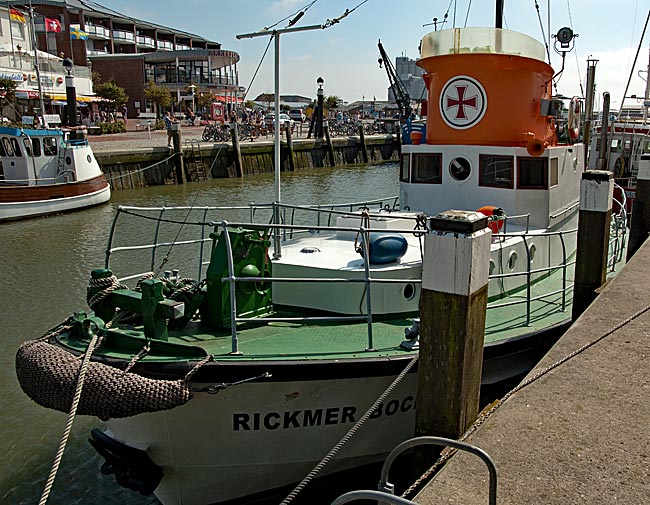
512, 260
492, 267
309, 250
531, 252
460, 168
68, 160
89, 158
409, 291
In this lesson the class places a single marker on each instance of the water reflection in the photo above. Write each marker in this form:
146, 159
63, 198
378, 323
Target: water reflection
44, 267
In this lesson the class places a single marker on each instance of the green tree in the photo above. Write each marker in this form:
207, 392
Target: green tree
112, 92
250, 104
157, 95
333, 102
9, 88
203, 101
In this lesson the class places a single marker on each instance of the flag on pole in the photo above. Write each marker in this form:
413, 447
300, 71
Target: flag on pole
15, 15
77, 33
52, 25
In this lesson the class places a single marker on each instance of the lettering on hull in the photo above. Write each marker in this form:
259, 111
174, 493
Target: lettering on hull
309, 418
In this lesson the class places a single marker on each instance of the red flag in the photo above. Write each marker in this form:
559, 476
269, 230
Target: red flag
52, 25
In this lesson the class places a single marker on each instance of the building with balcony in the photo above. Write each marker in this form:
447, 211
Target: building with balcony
18, 64
131, 52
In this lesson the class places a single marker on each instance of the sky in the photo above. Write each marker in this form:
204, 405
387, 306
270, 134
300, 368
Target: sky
345, 55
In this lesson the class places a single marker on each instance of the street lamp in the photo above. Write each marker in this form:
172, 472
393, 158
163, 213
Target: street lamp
192, 88
70, 93
318, 133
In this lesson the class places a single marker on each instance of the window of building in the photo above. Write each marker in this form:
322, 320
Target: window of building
17, 30
554, 172
496, 171
427, 168
49, 146
532, 173
404, 168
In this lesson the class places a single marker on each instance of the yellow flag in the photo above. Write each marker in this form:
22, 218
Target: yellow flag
16, 15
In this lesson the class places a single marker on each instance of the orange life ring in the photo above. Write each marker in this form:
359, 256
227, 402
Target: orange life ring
494, 214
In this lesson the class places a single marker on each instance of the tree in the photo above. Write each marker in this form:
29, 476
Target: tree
8, 97
157, 95
333, 102
250, 104
112, 92
204, 101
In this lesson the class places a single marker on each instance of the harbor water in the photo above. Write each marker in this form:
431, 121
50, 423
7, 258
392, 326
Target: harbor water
44, 267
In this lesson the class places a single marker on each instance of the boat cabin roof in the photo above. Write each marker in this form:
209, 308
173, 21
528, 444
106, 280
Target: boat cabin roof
480, 41
19, 132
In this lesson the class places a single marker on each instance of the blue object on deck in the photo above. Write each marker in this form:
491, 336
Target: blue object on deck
386, 247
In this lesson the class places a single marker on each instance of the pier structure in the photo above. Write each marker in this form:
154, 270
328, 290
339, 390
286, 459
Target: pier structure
574, 434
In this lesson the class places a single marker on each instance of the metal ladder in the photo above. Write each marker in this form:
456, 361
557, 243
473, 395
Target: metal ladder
195, 158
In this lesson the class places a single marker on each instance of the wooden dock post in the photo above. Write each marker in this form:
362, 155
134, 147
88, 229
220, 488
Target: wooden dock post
596, 192
328, 140
640, 226
362, 139
292, 163
239, 167
453, 303
178, 152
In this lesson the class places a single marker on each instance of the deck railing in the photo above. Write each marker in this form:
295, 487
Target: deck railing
259, 216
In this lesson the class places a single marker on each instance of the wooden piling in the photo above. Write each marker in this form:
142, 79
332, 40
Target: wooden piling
178, 153
640, 226
362, 139
596, 192
453, 304
292, 162
328, 141
239, 167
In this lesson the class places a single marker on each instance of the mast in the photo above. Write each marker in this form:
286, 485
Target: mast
499, 14
646, 97
36, 69
589, 104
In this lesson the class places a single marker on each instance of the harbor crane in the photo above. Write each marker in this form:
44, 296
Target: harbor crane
399, 90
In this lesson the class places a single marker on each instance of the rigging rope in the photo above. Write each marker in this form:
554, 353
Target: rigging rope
469, 6
582, 90
330, 455
541, 27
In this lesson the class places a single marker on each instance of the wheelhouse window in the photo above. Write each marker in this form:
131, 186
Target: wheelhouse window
554, 172
427, 168
532, 173
495, 171
32, 147
49, 146
7, 149
404, 168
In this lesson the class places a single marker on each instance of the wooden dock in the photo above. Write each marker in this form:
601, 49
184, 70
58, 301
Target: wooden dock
578, 433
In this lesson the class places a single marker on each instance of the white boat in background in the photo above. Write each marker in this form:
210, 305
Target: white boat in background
47, 172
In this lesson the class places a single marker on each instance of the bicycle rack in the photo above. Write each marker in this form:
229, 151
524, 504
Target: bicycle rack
387, 487
196, 158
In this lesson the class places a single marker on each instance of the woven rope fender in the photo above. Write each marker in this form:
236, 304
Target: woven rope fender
48, 375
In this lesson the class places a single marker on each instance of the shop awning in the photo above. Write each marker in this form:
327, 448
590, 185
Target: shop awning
79, 98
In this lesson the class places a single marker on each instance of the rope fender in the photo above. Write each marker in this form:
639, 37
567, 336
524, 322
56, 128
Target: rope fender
48, 375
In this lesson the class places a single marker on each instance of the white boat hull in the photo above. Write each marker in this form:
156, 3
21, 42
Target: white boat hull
260, 436
19, 210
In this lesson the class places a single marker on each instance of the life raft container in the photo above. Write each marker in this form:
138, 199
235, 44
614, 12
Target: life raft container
494, 214
385, 247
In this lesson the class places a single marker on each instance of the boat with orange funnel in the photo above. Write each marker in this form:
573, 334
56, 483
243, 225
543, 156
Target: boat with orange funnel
292, 330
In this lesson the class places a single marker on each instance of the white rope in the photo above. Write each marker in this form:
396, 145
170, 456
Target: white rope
68, 426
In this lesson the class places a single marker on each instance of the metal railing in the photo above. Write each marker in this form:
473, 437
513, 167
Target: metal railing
259, 214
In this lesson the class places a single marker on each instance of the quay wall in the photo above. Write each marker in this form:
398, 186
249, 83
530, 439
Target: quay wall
152, 166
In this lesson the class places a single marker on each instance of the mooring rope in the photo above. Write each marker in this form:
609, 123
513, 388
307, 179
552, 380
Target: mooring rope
330, 455
483, 417
68, 426
143, 169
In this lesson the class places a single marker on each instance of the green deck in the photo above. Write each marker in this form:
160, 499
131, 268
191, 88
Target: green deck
328, 340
